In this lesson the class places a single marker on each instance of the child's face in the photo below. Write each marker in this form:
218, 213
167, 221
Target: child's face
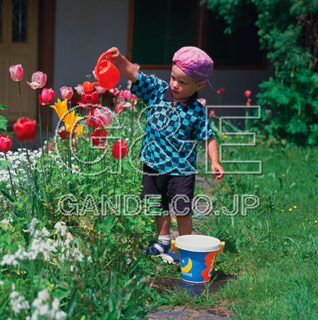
183, 86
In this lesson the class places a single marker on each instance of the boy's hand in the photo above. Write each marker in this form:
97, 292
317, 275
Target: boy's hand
217, 171
114, 53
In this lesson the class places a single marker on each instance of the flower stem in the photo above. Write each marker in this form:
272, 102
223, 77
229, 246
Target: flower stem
13, 190
20, 101
47, 130
40, 129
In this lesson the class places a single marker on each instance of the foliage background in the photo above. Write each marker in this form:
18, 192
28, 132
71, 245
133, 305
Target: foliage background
288, 34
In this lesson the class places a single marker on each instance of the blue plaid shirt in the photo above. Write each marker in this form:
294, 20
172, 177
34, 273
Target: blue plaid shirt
169, 144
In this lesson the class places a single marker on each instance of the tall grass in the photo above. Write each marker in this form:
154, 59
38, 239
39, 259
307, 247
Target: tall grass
273, 249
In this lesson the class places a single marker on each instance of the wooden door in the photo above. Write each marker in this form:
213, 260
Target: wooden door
18, 45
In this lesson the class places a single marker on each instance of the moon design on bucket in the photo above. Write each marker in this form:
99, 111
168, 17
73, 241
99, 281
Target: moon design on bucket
188, 267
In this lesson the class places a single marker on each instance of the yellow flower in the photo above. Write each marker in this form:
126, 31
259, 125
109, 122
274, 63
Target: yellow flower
60, 108
174, 220
90, 228
290, 209
152, 221
295, 207
302, 223
282, 210
251, 288
316, 221
79, 130
69, 118
76, 167
224, 135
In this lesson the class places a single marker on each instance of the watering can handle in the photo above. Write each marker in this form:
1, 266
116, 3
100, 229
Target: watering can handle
103, 55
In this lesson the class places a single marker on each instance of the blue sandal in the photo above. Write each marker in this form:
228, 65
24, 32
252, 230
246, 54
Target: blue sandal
170, 257
157, 249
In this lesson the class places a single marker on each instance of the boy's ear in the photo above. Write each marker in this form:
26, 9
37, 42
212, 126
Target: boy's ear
201, 85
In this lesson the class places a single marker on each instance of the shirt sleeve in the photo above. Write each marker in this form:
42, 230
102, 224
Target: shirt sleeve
202, 128
147, 87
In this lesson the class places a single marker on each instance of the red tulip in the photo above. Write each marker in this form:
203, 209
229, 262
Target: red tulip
47, 96
38, 80
248, 103
89, 99
5, 142
212, 114
25, 129
16, 72
220, 91
119, 149
64, 134
66, 93
98, 137
247, 93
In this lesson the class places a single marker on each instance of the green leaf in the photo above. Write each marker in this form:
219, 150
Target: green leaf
3, 123
2, 106
4, 164
72, 305
6, 194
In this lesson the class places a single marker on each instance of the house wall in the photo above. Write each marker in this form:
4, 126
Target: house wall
85, 29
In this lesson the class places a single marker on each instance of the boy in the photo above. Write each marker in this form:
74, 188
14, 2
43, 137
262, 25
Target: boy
175, 119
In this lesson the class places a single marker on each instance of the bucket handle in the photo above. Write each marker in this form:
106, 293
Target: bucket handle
222, 247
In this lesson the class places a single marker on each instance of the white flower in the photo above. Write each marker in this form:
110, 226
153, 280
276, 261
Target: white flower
33, 223
5, 222
45, 232
18, 302
61, 227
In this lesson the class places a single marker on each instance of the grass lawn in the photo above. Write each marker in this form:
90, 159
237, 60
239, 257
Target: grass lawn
272, 250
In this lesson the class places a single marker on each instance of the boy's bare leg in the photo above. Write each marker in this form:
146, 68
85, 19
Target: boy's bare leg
184, 225
163, 225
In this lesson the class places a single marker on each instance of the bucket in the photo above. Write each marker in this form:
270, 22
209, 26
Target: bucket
197, 255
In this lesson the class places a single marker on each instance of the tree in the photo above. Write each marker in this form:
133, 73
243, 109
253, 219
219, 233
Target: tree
288, 32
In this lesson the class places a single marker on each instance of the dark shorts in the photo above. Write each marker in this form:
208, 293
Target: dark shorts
176, 191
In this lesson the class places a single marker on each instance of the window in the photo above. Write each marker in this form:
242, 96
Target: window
158, 28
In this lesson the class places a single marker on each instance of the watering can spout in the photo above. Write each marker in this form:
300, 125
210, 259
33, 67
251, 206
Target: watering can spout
106, 73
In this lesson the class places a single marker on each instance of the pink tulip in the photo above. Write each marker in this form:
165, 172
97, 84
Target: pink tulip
202, 101
114, 91
247, 93
79, 89
248, 103
127, 94
16, 72
102, 117
38, 80
119, 108
66, 93
134, 99
100, 89
47, 96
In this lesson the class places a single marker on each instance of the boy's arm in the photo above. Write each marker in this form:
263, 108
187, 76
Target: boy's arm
212, 151
129, 70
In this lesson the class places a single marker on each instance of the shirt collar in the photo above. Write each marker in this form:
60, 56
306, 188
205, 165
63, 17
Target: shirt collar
168, 96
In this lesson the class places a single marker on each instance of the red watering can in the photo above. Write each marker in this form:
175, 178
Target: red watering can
106, 72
